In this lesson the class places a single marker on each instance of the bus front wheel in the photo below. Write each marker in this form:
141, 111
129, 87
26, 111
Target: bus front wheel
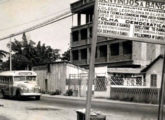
37, 97
18, 95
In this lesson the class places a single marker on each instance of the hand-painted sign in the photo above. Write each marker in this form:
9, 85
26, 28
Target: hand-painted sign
140, 19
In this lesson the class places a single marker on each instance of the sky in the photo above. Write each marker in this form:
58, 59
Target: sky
16, 15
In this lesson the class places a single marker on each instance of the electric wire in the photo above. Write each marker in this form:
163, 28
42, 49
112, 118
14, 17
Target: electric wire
34, 20
40, 25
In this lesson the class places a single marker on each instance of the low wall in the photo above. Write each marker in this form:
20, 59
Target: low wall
144, 95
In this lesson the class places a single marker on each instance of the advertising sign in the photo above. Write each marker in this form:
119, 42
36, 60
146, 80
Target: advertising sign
139, 19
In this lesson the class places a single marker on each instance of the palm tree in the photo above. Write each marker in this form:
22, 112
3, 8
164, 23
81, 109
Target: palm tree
3, 54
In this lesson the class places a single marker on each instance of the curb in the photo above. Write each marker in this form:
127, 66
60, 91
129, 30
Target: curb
104, 103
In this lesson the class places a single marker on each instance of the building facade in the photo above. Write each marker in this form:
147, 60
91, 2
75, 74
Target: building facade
111, 52
125, 61
53, 76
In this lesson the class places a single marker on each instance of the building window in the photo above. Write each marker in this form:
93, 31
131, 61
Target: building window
75, 36
153, 80
103, 51
127, 47
117, 79
83, 34
75, 54
83, 54
114, 49
139, 81
100, 84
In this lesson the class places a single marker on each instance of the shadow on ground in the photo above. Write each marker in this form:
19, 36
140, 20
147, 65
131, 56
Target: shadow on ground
3, 118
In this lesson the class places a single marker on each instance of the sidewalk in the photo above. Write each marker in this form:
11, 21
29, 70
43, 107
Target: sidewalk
104, 103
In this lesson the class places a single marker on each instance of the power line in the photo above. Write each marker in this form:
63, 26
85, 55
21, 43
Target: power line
34, 20
48, 22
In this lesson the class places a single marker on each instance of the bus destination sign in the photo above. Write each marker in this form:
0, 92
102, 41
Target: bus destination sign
138, 19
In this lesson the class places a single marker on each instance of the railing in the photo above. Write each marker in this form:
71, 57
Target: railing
119, 58
80, 3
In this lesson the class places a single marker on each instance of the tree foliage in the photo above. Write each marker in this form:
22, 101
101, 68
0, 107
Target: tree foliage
66, 55
27, 54
3, 54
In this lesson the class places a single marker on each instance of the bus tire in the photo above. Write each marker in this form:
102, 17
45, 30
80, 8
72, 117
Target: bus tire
37, 97
18, 94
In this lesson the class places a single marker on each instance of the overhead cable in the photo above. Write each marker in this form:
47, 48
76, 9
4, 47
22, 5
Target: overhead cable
40, 25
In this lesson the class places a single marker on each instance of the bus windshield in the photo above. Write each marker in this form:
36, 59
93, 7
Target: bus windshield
19, 78
25, 78
31, 78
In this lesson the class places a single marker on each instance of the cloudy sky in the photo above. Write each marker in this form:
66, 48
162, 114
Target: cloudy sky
16, 15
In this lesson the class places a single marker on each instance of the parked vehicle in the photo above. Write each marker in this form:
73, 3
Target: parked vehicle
19, 84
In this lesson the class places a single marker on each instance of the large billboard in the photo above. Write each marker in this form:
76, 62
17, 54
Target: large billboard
139, 19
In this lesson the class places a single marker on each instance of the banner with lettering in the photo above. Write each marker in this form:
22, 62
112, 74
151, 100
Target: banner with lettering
140, 19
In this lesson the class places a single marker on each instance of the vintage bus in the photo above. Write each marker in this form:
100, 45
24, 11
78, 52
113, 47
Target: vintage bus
19, 84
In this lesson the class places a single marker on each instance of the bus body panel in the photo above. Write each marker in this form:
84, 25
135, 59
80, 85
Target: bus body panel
22, 82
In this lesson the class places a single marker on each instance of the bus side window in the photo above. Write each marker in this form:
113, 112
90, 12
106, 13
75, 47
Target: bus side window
5, 80
10, 80
2, 79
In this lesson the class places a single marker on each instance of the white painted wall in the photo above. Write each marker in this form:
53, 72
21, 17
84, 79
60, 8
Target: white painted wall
155, 69
72, 69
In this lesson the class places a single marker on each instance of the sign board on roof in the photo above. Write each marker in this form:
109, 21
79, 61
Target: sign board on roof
139, 19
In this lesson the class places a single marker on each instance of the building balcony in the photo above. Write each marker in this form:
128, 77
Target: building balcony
79, 43
101, 60
77, 39
120, 58
80, 62
81, 5
76, 28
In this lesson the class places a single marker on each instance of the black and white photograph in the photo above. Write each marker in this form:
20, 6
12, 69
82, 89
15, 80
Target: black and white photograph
82, 59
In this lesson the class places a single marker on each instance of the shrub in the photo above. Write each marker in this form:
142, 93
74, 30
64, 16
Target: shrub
57, 92
69, 92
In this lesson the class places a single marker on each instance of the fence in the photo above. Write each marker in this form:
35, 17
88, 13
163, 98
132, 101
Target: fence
133, 89
78, 83
118, 89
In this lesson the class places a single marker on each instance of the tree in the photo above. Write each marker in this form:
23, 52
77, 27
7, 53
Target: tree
66, 55
28, 54
3, 54
45, 54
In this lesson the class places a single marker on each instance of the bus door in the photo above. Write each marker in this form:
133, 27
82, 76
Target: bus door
8, 86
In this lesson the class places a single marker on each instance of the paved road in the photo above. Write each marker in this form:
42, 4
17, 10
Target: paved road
31, 109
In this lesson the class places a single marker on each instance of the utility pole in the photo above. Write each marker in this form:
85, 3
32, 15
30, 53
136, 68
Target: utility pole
162, 90
10, 56
91, 74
